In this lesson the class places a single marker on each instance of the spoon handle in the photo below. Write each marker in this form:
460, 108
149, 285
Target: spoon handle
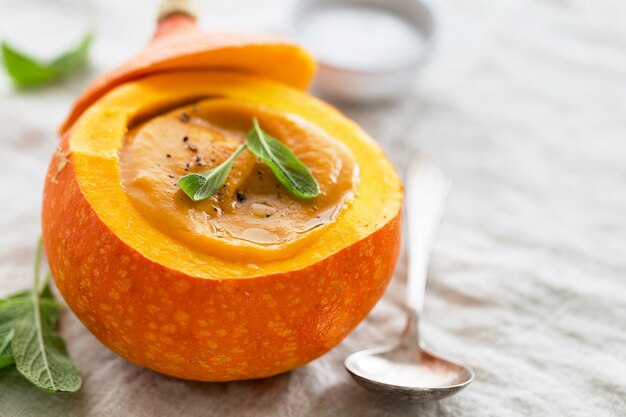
426, 189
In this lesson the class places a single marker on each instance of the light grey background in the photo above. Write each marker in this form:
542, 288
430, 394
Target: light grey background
525, 103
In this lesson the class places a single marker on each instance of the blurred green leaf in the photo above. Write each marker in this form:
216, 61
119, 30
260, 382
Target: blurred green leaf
26, 71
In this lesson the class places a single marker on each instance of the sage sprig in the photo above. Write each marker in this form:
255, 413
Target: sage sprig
288, 169
28, 337
26, 71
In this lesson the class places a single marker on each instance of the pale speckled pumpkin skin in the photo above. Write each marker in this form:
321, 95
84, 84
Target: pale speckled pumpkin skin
204, 329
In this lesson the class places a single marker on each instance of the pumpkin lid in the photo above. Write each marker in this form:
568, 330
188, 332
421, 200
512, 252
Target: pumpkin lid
178, 45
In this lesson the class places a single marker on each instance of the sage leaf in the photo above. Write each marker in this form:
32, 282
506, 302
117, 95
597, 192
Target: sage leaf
191, 183
72, 59
18, 304
39, 352
10, 310
6, 354
26, 71
201, 186
9, 314
289, 170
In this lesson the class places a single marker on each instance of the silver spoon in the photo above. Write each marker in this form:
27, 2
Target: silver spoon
409, 370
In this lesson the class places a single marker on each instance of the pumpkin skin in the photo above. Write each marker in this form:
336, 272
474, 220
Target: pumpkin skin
193, 315
202, 329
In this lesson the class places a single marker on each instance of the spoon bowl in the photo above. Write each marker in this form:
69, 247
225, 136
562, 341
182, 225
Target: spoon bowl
407, 374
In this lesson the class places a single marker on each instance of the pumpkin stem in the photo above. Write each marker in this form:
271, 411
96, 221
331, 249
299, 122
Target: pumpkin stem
169, 8
176, 16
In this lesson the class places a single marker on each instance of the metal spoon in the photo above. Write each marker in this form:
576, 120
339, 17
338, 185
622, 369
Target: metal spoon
410, 371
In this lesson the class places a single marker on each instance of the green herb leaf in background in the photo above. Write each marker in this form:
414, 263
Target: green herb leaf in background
201, 186
289, 170
28, 337
26, 71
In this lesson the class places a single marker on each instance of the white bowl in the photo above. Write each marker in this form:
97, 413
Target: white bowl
351, 82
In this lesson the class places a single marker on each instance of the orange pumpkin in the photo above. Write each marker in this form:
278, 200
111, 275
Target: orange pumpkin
181, 309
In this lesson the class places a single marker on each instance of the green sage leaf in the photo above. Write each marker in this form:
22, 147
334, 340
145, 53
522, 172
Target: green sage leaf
15, 306
289, 170
10, 310
70, 60
9, 314
26, 71
6, 354
39, 352
201, 186
191, 183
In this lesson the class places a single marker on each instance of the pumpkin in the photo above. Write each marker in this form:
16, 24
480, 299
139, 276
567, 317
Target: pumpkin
222, 310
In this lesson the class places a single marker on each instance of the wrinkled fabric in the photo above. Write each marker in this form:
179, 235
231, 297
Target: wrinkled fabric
524, 102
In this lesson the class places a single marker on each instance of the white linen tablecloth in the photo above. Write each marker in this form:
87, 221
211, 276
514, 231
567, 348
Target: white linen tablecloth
525, 103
